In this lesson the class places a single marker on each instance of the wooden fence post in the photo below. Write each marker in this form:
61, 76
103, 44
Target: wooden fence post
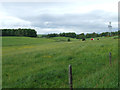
70, 77
110, 58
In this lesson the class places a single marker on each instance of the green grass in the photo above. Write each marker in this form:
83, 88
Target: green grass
43, 63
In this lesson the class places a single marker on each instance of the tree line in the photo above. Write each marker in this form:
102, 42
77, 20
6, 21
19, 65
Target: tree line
33, 33
19, 32
82, 35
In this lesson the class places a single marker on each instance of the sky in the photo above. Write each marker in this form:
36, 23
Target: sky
52, 16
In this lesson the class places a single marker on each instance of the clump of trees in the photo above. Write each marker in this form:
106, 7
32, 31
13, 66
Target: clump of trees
19, 32
52, 35
82, 35
70, 34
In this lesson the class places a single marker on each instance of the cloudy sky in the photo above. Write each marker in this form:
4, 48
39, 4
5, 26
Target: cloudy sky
50, 16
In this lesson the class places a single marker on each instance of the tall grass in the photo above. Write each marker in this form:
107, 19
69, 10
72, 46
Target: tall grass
43, 63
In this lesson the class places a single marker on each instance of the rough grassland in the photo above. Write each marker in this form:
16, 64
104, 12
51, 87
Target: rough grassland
43, 63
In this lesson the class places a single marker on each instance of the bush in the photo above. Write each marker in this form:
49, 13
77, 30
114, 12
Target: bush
68, 40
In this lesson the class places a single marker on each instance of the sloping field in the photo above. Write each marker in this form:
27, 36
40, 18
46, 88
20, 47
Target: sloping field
43, 63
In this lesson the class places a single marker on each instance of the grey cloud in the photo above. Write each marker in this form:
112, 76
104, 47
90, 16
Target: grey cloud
94, 20
40, 16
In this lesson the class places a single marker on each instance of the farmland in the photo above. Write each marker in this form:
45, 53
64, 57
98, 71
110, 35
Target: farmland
43, 62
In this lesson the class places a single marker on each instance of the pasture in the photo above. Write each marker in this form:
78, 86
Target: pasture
43, 62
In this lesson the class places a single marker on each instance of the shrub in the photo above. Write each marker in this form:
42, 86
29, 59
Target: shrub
68, 40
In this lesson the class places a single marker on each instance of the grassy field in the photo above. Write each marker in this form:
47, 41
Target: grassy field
43, 63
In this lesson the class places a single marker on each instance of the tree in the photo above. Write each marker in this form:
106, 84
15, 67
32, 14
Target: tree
80, 36
62, 34
70, 34
88, 35
94, 35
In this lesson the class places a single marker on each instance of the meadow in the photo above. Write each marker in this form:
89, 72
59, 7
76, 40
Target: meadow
43, 62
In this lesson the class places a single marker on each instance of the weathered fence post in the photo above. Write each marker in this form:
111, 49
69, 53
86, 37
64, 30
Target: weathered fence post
70, 77
110, 58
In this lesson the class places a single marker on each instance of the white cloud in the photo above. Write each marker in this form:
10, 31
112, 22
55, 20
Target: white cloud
9, 21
